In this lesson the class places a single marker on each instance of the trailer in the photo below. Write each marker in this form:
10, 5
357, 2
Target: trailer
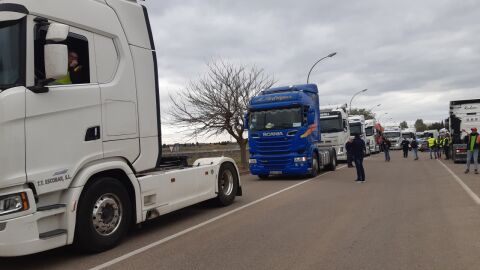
464, 115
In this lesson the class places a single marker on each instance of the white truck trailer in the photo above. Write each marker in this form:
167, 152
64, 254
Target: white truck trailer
81, 160
335, 129
357, 127
464, 115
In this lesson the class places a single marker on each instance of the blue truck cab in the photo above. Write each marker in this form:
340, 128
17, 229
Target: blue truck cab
284, 132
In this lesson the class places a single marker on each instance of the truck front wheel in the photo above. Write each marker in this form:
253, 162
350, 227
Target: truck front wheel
104, 214
227, 184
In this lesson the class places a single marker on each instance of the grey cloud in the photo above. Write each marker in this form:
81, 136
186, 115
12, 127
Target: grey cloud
394, 48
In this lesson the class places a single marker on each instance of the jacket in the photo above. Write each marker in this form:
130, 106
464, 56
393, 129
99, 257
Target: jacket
358, 148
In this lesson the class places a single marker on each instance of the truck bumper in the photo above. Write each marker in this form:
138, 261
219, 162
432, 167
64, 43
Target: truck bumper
301, 169
20, 236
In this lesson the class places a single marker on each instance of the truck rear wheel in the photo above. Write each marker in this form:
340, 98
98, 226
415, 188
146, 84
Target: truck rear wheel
333, 164
103, 217
227, 184
315, 167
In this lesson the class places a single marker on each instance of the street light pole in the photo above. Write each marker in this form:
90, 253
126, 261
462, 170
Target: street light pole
330, 55
361, 91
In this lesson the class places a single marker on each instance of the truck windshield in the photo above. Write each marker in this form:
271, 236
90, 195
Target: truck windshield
331, 124
276, 119
11, 51
391, 135
369, 131
355, 128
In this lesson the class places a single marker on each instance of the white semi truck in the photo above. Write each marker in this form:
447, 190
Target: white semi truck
393, 134
357, 127
464, 115
81, 159
335, 129
371, 134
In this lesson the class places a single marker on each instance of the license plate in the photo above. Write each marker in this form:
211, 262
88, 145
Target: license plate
275, 172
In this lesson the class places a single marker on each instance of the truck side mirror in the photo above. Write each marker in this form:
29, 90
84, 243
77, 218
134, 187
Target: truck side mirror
245, 121
57, 32
56, 61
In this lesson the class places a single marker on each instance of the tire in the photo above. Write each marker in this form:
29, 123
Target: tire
227, 184
108, 195
315, 167
263, 176
333, 165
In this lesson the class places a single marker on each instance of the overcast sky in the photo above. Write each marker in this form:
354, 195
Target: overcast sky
413, 56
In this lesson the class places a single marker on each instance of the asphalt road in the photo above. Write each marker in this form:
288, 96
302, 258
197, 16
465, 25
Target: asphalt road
408, 215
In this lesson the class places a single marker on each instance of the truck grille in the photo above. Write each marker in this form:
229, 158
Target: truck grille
275, 163
274, 146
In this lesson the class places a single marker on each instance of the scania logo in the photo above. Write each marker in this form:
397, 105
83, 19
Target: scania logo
269, 134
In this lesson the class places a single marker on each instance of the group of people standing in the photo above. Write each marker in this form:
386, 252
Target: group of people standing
439, 145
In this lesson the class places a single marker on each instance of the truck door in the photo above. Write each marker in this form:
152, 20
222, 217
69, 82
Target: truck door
12, 98
63, 125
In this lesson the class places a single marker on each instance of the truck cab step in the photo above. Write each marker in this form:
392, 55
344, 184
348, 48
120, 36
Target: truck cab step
53, 233
51, 207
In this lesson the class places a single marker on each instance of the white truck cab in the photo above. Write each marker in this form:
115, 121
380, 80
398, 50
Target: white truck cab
394, 135
371, 133
335, 129
357, 127
80, 132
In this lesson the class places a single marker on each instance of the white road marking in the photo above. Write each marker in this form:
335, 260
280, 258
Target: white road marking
173, 236
472, 194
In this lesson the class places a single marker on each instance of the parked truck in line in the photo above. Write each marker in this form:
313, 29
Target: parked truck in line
334, 129
393, 134
81, 161
371, 134
464, 115
357, 127
284, 133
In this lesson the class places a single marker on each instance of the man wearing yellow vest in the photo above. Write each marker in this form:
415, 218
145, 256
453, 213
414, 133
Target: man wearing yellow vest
431, 145
75, 74
472, 149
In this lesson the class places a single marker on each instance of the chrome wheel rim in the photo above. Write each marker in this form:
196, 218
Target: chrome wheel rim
107, 214
226, 182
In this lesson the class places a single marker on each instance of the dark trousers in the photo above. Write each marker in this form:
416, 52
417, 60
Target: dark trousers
360, 169
349, 160
447, 152
405, 152
387, 154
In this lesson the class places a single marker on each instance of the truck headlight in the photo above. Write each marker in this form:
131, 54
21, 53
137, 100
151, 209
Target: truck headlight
252, 161
13, 203
300, 159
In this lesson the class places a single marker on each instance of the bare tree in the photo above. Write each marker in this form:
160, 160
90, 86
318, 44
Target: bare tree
216, 103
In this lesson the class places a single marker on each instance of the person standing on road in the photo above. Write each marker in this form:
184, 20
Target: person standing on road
348, 147
414, 145
386, 144
472, 141
405, 145
446, 146
358, 150
431, 146
439, 147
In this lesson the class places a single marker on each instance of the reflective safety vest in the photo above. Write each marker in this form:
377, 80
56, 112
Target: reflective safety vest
473, 141
431, 142
65, 80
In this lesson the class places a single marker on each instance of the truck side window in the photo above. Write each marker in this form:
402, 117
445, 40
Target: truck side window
78, 57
